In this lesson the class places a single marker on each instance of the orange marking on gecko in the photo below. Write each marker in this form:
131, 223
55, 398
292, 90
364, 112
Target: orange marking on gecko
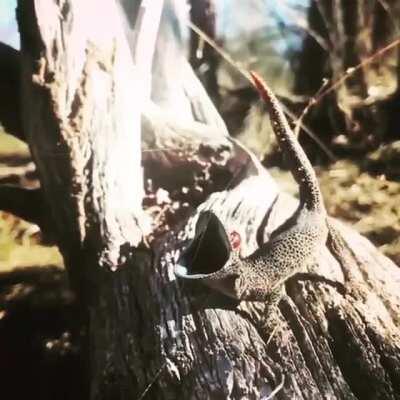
260, 86
235, 240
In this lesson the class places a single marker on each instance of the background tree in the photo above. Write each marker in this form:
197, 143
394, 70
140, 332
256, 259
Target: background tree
358, 41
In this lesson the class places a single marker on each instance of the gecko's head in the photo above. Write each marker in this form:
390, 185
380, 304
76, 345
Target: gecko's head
212, 257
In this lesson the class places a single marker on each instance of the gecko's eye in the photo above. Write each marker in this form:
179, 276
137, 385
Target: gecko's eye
235, 240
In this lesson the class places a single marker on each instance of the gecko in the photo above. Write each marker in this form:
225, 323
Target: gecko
292, 247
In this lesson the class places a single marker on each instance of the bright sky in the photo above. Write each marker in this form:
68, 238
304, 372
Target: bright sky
235, 16
8, 29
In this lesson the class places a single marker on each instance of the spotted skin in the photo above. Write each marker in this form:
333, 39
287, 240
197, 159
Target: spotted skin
272, 264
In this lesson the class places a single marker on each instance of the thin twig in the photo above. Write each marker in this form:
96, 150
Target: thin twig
152, 382
351, 70
311, 103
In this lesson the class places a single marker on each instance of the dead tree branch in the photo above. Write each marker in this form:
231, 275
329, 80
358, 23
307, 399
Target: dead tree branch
148, 332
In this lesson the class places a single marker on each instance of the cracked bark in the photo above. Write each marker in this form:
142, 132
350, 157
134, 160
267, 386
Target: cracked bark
149, 333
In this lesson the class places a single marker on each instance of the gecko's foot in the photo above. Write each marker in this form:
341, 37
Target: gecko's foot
272, 321
274, 297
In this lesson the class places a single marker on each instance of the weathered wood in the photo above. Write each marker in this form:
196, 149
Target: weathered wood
81, 158
81, 108
151, 336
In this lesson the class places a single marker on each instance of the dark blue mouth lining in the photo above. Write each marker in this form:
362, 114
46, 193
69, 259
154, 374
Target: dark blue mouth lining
210, 249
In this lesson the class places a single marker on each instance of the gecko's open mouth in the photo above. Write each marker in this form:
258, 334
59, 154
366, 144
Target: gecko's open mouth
208, 252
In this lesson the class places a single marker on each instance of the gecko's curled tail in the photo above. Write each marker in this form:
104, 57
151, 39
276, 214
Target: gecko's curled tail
300, 166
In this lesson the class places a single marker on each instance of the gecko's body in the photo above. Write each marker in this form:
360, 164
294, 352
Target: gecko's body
294, 245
